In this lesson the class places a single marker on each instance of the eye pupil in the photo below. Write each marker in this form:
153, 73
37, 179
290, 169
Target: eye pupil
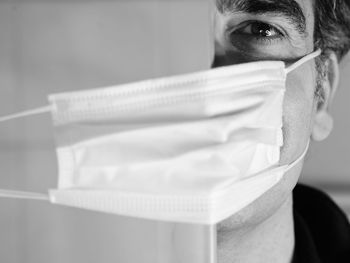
262, 29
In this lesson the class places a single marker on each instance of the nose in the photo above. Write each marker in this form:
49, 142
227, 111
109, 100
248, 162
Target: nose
230, 58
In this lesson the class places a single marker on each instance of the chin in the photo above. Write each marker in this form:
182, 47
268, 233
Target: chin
263, 207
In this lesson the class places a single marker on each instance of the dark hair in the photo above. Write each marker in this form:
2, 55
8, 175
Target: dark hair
331, 33
332, 26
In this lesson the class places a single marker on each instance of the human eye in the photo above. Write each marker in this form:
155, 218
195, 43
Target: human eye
256, 32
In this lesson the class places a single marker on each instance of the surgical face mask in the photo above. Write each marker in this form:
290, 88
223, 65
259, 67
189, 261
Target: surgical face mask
195, 148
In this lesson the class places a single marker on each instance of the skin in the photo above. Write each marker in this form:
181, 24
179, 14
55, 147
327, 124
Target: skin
263, 231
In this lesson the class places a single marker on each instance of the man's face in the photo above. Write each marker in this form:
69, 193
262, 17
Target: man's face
251, 30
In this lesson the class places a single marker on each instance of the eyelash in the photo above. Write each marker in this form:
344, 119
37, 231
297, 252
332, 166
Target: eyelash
260, 39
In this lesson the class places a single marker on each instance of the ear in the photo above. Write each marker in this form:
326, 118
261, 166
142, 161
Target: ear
323, 124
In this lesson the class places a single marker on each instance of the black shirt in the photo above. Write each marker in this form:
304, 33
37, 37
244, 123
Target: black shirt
322, 230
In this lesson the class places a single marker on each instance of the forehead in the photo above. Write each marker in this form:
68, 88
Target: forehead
227, 4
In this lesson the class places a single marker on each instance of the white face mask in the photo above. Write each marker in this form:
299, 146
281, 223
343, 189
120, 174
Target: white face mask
195, 148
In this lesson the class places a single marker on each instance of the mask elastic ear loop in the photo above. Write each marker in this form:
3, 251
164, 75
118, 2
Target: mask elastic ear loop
26, 113
295, 162
303, 60
23, 195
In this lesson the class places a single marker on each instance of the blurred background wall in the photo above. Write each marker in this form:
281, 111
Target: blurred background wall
54, 46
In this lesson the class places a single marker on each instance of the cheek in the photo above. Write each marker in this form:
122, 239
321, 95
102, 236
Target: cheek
297, 112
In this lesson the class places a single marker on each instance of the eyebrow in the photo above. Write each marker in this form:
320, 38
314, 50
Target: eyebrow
289, 9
